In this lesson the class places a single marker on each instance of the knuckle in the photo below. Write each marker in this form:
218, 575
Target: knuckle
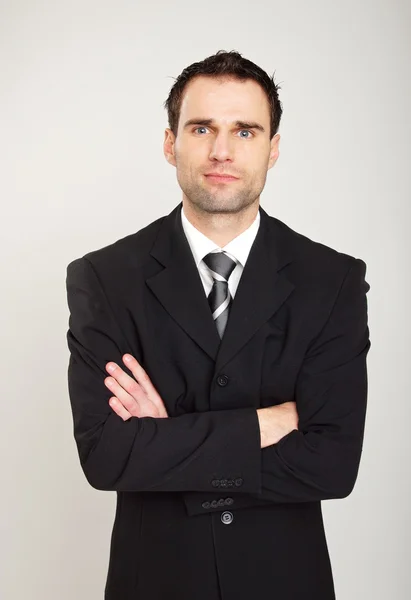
134, 411
144, 377
133, 388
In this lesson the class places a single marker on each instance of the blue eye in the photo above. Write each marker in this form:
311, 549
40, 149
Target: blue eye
245, 137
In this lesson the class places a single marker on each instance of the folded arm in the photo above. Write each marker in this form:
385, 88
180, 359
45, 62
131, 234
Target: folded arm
321, 459
191, 452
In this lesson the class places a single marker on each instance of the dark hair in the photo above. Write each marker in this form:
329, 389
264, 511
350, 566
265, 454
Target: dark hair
224, 64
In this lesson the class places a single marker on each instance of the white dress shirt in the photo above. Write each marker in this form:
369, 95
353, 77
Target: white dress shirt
238, 249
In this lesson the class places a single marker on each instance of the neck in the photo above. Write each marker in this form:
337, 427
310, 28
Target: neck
221, 228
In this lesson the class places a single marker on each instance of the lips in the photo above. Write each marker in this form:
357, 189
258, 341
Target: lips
221, 177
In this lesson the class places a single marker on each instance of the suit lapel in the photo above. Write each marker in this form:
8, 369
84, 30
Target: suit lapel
260, 293
178, 286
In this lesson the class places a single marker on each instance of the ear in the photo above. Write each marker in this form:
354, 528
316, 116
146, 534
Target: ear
275, 150
168, 148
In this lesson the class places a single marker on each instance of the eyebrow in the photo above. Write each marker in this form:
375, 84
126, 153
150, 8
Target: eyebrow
239, 124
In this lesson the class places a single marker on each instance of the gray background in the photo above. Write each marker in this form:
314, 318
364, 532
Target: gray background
82, 124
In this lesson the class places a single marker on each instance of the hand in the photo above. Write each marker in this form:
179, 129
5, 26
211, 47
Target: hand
276, 422
133, 397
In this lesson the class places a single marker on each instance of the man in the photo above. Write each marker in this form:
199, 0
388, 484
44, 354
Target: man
217, 374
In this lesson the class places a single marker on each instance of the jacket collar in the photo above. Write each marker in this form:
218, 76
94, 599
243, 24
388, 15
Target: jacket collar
260, 293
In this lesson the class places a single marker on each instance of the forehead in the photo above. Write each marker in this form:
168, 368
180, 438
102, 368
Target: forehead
225, 99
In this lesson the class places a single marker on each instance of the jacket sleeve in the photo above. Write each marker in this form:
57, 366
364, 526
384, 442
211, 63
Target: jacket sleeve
320, 460
188, 452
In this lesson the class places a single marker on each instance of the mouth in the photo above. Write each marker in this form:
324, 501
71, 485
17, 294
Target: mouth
220, 178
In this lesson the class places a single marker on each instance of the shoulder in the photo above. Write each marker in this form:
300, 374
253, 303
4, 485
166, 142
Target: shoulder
310, 260
131, 251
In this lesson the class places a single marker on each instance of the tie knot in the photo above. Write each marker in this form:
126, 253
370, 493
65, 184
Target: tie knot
220, 264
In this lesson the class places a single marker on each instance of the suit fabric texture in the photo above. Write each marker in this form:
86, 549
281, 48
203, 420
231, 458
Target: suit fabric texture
203, 513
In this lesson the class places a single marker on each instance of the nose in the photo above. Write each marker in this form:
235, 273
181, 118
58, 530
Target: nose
221, 147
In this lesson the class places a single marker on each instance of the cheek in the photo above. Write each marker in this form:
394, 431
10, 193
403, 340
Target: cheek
258, 166
190, 161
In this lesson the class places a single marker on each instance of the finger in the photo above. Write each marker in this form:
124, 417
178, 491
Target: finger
144, 381
126, 399
130, 388
138, 372
134, 409
140, 407
119, 409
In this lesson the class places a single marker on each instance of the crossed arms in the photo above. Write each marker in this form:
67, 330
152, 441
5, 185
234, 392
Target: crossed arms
275, 461
137, 397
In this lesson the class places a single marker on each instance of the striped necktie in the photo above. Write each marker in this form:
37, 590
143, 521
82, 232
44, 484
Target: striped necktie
221, 266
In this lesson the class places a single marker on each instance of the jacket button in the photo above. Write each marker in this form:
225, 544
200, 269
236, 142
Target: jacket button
205, 505
221, 502
229, 501
214, 504
239, 482
222, 380
215, 482
227, 517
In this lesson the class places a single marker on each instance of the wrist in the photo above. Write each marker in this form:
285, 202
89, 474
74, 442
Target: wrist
276, 422
264, 427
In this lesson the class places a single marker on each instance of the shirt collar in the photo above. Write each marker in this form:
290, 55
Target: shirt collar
201, 245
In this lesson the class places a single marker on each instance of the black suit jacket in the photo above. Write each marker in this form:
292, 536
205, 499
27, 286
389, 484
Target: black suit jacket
203, 512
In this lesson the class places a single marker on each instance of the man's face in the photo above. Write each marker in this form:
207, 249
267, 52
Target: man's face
218, 132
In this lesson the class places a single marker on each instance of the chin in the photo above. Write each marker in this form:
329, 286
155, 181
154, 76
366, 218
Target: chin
216, 206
